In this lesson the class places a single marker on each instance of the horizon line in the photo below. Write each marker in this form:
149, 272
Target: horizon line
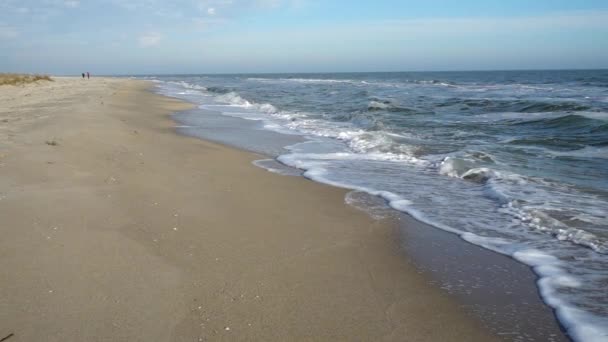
341, 72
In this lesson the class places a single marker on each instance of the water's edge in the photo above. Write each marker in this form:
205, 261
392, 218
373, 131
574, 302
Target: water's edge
493, 288
497, 158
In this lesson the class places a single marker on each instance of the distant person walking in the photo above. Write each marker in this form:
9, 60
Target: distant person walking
83, 75
88, 75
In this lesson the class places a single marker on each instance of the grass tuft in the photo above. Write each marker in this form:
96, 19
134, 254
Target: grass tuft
20, 79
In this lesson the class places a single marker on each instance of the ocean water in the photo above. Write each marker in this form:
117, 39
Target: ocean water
515, 162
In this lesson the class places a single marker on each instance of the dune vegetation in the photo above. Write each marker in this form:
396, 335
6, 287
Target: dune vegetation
19, 79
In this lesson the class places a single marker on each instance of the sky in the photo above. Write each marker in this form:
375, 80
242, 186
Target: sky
258, 36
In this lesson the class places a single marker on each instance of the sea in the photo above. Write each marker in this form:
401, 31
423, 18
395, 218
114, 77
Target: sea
515, 162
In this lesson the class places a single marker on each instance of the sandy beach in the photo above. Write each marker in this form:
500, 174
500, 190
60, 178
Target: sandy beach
115, 228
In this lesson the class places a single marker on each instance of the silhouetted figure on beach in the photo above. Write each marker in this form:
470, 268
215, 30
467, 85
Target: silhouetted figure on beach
83, 75
88, 75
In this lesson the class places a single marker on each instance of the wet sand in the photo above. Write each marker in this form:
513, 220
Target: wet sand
496, 289
116, 228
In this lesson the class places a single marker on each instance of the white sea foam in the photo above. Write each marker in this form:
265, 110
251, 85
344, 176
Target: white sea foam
466, 169
235, 99
581, 325
187, 85
585, 152
378, 105
455, 167
275, 167
324, 81
302, 80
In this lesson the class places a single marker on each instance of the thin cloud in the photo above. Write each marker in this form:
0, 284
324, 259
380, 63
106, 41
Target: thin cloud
71, 3
475, 27
8, 32
220, 30
207, 23
268, 3
150, 39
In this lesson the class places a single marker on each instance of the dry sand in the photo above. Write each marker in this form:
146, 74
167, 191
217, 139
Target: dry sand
114, 228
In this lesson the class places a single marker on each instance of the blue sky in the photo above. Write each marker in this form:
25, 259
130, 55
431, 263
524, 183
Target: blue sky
233, 36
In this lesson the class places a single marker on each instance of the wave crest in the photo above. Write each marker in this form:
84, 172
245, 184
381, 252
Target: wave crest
387, 105
236, 100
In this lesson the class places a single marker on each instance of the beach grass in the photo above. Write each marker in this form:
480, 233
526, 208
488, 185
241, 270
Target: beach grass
20, 79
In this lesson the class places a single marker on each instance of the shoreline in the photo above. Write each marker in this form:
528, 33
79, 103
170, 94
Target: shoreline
494, 288
116, 227
468, 166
